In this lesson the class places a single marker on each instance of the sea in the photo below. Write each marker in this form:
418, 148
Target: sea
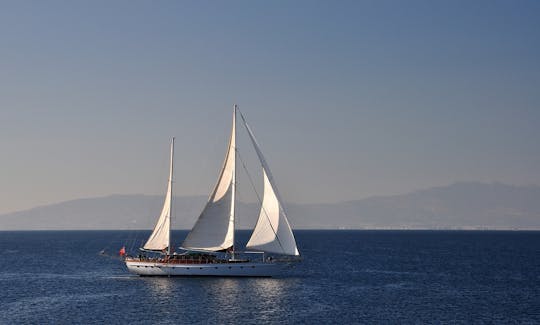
345, 277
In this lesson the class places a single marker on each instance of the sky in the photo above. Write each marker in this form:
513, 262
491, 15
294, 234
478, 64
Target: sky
348, 99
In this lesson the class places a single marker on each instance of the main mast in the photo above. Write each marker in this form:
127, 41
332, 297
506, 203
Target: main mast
171, 200
233, 203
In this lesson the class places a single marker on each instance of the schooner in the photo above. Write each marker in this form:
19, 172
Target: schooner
209, 249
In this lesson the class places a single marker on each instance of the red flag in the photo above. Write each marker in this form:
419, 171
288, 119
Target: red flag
122, 251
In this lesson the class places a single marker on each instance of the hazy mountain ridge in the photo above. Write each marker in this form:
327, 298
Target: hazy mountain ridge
468, 205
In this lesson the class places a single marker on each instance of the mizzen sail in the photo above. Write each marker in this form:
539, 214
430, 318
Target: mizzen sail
214, 230
160, 237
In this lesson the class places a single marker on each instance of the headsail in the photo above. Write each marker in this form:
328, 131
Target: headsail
160, 237
214, 230
272, 232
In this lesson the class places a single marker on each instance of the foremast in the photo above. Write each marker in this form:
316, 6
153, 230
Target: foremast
160, 239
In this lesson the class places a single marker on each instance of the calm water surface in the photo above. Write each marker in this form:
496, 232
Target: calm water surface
346, 277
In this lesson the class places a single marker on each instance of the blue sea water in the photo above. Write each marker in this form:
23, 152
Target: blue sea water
346, 277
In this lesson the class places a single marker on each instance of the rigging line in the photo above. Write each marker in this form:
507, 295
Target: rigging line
260, 201
132, 237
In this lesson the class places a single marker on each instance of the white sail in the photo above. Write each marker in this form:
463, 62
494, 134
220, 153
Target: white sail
272, 232
214, 230
160, 237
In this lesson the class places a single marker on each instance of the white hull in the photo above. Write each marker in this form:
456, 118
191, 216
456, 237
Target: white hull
148, 268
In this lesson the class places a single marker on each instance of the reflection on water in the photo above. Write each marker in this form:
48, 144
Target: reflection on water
245, 298
268, 295
271, 297
224, 292
159, 287
268, 290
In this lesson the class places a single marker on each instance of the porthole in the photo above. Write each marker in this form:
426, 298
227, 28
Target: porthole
230, 267
253, 266
216, 267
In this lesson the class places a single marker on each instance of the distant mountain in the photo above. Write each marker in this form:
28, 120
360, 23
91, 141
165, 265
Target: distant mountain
466, 205
110, 212
459, 206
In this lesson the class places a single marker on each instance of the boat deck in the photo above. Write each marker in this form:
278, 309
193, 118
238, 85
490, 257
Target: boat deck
186, 259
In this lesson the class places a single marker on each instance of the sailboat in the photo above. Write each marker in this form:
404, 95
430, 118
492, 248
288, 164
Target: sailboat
210, 248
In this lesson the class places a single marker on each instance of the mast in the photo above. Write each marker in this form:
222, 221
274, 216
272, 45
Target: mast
233, 200
160, 239
171, 187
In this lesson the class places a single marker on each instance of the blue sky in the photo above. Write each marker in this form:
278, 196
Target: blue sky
348, 99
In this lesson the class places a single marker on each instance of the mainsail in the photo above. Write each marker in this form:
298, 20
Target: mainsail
214, 230
160, 237
272, 232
